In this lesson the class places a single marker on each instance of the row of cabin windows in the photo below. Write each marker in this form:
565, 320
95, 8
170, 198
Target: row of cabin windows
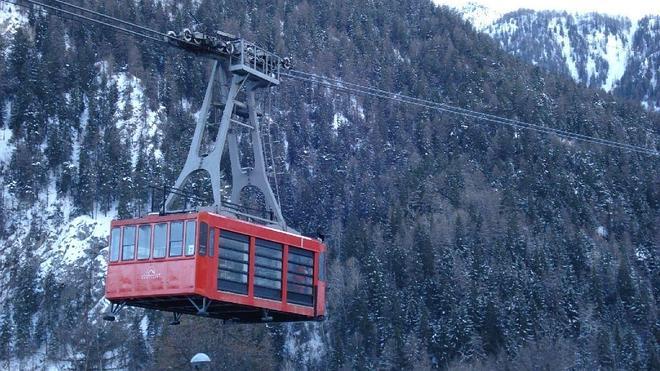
234, 260
169, 239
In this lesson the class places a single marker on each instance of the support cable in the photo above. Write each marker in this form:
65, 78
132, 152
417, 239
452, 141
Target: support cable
110, 18
379, 93
339, 84
59, 12
484, 116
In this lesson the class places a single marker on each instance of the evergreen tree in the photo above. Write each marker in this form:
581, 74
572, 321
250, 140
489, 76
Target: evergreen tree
6, 337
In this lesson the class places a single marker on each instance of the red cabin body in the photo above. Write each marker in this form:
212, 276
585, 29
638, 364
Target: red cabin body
208, 264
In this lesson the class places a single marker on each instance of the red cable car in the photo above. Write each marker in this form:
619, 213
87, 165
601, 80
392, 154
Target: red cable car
211, 265
227, 264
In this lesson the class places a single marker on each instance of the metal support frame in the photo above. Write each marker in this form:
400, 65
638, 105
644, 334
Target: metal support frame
115, 308
177, 319
226, 82
265, 316
203, 309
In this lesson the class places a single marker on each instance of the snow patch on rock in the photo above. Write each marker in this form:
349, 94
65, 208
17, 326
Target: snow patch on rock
11, 19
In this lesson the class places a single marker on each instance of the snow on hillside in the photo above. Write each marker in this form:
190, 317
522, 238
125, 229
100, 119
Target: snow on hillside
601, 51
10, 18
72, 248
479, 15
140, 122
594, 51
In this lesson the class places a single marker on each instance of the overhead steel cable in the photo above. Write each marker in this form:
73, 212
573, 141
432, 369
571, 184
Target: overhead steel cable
367, 90
485, 116
518, 123
108, 17
59, 11
343, 85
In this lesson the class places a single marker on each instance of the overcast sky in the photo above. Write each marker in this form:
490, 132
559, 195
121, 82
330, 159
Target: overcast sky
630, 8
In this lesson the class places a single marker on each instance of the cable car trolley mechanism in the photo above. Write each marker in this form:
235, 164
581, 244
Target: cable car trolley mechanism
223, 260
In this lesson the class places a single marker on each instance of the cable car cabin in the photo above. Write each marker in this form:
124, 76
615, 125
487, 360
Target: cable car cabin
211, 265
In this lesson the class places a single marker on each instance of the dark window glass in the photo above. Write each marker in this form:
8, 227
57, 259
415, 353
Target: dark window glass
268, 270
144, 241
176, 238
233, 266
301, 269
128, 244
233, 260
227, 254
268, 263
300, 277
190, 238
203, 238
302, 260
212, 242
160, 240
114, 244
267, 283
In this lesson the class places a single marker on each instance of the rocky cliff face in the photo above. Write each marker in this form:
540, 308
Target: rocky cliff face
616, 54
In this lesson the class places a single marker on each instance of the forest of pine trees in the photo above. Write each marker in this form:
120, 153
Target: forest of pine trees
454, 244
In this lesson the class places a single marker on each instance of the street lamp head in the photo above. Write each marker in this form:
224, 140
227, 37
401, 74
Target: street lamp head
199, 359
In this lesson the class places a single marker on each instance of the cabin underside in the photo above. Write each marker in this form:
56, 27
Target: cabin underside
197, 305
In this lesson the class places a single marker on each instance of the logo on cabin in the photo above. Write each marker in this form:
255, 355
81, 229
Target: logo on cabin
150, 274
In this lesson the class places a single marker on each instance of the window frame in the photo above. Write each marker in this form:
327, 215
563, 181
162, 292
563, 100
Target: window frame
123, 243
165, 241
268, 269
115, 248
149, 243
231, 254
170, 240
187, 236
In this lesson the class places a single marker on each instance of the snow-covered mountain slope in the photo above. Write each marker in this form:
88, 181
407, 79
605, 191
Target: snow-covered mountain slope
614, 53
10, 18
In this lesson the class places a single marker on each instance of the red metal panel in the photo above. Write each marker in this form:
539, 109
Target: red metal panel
320, 299
151, 278
285, 271
206, 270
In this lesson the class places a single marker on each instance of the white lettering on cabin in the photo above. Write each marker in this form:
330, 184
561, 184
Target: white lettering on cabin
150, 274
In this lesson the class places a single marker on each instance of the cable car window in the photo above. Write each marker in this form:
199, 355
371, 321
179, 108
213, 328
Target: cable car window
302, 259
262, 283
300, 277
128, 244
233, 260
301, 269
211, 241
144, 241
268, 269
322, 266
160, 240
268, 263
176, 238
190, 238
114, 244
233, 266
299, 289
203, 238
